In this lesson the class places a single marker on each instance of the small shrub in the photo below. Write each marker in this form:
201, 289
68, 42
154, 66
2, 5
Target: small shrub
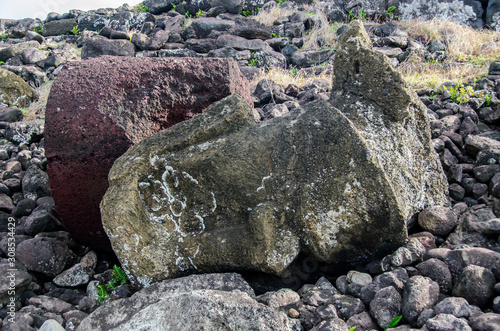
461, 94
118, 278
3, 35
199, 13
75, 31
253, 62
187, 14
39, 29
248, 12
142, 8
2, 63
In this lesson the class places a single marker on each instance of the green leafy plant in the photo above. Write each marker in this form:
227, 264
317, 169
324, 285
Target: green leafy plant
461, 94
118, 278
360, 14
253, 62
3, 35
199, 13
352, 328
39, 29
294, 72
250, 12
281, 2
142, 8
187, 14
391, 10
274, 35
2, 63
394, 322
173, 6
75, 31
487, 97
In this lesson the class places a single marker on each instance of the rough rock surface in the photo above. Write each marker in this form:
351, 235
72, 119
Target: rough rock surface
391, 119
14, 91
128, 100
197, 302
217, 192
466, 12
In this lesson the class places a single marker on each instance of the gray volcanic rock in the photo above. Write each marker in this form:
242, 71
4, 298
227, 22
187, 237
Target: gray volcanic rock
216, 193
99, 45
14, 91
197, 302
465, 12
391, 119
129, 99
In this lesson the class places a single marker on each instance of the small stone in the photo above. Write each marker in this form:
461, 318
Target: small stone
6, 203
327, 312
74, 276
386, 305
293, 313
419, 293
438, 271
283, 298
45, 255
329, 325
362, 321
359, 278
438, 220
486, 322
347, 306
475, 285
446, 322
51, 325
458, 307
35, 183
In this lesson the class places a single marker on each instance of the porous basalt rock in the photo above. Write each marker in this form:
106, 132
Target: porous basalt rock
14, 91
99, 107
391, 119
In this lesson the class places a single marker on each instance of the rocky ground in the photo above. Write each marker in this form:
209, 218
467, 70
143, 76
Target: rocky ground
447, 277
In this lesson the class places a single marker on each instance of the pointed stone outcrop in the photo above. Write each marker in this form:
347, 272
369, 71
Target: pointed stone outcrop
391, 119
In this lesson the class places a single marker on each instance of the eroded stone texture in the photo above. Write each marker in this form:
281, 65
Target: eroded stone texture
221, 193
99, 107
197, 302
391, 120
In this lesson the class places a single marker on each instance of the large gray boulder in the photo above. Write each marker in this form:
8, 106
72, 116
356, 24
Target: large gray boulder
197, 302
465, 12
14, 91
391, 120
221, 193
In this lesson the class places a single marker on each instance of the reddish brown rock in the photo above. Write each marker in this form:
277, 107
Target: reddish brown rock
99, 107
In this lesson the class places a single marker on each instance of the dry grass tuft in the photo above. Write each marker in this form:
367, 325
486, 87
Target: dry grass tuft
469, 53
462, 42
270, 14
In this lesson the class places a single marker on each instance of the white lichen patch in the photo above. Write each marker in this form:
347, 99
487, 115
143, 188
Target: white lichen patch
182, 219
262, 185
